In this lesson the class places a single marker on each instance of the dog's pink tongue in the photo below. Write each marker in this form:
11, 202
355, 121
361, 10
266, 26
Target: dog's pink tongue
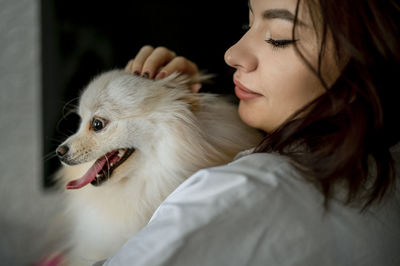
89, 176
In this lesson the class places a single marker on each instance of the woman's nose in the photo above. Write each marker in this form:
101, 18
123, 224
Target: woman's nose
241, 57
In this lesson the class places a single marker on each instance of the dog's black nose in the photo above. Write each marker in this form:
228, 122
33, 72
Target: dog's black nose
62, 150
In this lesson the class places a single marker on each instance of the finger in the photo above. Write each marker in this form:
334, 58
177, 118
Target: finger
160, 57
136, 65
178, 64
196, 87
129, 66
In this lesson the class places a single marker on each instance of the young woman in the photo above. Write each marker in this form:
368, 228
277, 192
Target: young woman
321, 79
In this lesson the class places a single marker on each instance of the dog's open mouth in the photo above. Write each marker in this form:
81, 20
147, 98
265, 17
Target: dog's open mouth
102, 169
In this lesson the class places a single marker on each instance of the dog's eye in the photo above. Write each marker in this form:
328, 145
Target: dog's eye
97, 124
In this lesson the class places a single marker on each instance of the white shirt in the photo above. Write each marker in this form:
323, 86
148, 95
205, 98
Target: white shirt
258, 210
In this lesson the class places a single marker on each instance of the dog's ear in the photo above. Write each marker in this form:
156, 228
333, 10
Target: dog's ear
183, 81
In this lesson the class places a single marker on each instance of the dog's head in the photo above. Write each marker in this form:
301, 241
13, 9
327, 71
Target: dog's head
122, 117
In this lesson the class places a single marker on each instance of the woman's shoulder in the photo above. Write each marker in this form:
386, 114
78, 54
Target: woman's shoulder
264, 163
270, 169
266, 178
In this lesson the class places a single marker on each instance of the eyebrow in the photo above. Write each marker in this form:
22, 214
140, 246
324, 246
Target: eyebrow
279, 14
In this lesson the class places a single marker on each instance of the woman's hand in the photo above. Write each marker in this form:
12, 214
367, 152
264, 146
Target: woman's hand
160, 62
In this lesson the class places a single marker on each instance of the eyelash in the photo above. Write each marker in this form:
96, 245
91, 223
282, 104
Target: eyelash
280, 43
276, 44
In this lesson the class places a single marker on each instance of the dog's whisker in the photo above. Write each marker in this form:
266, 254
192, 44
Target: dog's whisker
74, 109
49, 156
71, 111
58, 128
49, 153
55, 140
65, 135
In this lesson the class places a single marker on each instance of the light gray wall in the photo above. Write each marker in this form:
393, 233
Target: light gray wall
24, 208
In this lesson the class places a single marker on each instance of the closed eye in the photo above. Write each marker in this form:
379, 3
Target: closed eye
280, 43
273, 42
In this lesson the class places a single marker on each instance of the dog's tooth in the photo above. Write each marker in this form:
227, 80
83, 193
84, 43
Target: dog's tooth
120, 153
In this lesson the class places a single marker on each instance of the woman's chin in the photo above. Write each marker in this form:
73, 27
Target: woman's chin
256, 117
247, 114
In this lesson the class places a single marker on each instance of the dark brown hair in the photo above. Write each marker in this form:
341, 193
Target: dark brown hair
347, 131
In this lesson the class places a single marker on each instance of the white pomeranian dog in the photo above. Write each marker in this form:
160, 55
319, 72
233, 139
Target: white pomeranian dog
137, 141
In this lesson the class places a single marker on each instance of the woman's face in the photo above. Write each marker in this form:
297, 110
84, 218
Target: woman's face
272, 81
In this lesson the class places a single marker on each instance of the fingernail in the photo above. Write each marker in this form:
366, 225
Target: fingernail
196, 87
136, 73
146, 74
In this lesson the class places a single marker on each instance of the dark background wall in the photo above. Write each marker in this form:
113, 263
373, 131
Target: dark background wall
83, 38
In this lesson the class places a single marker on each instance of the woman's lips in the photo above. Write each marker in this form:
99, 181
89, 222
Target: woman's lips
244, 93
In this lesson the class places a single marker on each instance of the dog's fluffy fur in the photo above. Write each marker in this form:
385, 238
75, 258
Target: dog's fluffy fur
174, 133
